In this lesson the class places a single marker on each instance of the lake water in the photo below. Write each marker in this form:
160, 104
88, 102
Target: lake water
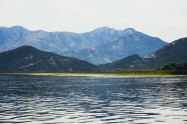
93, 100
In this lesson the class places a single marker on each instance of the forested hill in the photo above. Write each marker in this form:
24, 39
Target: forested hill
28, 58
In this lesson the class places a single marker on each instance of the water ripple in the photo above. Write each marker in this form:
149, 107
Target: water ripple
56, 100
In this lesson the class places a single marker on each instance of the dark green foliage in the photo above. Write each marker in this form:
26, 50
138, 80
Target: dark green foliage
175, 66
153, 72
28, 58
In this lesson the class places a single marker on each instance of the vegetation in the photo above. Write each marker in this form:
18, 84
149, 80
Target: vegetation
118, 73
148, 72
175, 66
30, 59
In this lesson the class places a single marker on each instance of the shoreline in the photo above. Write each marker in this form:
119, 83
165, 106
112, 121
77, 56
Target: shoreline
90, 74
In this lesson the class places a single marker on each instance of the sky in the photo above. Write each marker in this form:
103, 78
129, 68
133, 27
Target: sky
166, 19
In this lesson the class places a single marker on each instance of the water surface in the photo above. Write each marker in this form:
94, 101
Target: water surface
93, 100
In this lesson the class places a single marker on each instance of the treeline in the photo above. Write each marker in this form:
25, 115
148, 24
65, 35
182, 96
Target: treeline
175, 66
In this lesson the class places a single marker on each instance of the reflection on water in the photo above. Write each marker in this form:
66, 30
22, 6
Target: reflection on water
47, 100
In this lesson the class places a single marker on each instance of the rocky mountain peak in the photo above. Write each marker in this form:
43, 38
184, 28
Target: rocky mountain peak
14, 29
98, 46
18, 28
128, 31
106, 30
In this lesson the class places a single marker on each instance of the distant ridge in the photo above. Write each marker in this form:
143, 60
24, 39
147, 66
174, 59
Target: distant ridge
101, 45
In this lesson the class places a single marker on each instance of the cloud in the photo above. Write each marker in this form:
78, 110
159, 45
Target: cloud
162, 18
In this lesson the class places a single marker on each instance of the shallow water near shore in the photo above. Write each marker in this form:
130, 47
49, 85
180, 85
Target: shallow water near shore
34, 99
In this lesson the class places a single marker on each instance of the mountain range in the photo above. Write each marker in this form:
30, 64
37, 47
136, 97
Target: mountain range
99, 46
30, 59
174, 52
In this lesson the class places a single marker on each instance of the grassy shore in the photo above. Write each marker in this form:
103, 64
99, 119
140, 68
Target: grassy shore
102, 74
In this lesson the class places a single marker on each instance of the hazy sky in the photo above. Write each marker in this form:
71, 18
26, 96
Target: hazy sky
166, 19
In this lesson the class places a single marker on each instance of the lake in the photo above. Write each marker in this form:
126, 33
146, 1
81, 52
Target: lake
33, 99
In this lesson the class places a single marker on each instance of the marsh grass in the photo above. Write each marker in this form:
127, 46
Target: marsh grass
118, 73
142, 73
152, 72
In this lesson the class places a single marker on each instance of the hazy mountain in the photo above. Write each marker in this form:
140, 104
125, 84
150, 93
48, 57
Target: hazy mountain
9, 36
129, 42
30, 59
101, 45
173, 52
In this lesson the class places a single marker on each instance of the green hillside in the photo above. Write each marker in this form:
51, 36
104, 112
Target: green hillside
28, 58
